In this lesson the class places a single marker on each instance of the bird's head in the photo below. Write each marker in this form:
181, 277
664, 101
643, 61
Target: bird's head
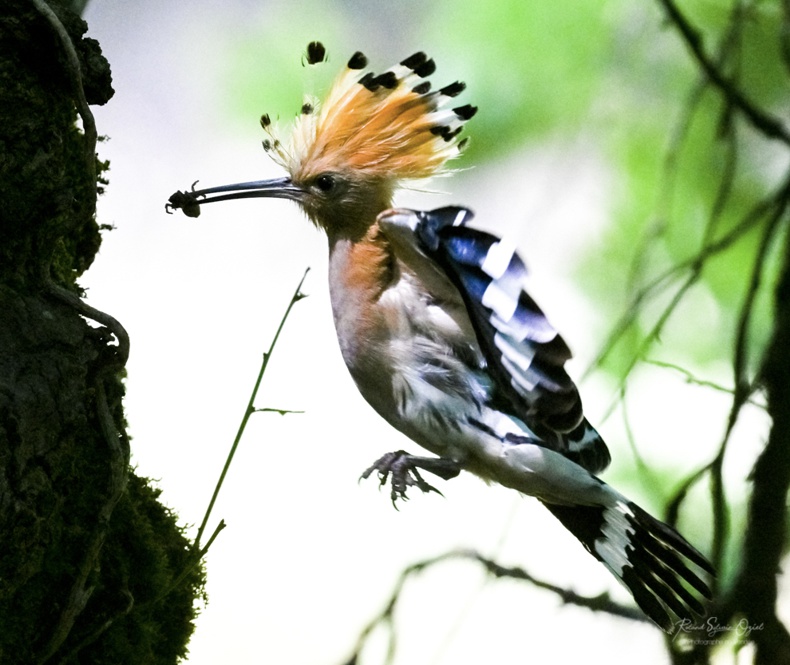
346, 156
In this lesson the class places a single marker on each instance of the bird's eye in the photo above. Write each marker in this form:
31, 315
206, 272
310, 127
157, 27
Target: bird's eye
325, 182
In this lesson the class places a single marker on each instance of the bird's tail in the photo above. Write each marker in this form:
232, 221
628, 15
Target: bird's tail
648, 557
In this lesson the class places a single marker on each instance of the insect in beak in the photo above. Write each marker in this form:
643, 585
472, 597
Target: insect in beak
190, 201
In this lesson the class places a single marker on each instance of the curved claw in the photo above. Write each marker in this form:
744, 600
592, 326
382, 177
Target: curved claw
401, 469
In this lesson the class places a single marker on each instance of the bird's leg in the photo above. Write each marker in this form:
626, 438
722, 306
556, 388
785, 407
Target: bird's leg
403, 468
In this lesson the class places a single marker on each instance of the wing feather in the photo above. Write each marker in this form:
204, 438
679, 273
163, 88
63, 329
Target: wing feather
524, 354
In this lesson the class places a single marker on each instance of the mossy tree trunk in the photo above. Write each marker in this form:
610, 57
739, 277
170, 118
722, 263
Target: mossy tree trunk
88, 555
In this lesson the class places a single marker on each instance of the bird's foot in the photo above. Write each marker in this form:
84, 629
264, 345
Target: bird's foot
402, 467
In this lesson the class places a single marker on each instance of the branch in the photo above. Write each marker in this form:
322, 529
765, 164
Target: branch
755, 590
690, 378
693, 265
762, 121
199, 552
600, 603
296, 297
670, 167
741, 395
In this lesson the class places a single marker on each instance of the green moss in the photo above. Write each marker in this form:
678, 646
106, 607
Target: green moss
144, 553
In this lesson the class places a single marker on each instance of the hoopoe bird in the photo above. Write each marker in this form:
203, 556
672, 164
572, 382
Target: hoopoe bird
438, 332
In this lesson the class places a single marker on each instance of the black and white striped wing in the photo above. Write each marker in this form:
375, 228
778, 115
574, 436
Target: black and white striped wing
524, 353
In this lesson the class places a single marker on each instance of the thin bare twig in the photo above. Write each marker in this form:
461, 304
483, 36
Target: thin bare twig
385, 618
670, 168
663, 281
757, 117
655, 332
690, 378
197, 552
743, 384
642, 467
741, 396
296, 297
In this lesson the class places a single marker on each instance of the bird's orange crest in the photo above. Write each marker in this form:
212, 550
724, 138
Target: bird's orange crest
389, 126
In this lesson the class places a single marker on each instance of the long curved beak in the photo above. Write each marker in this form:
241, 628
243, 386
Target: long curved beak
190, 201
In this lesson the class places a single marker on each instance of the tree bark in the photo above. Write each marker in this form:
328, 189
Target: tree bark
86, 549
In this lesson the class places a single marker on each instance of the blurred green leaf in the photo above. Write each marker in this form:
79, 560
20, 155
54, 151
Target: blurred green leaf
534, 68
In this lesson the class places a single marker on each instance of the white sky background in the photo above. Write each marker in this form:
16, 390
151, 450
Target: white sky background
309, 555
